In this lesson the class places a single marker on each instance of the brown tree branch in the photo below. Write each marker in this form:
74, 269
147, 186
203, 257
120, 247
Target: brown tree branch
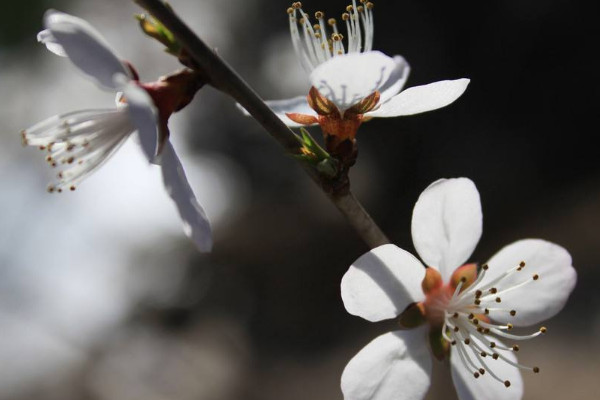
219, 74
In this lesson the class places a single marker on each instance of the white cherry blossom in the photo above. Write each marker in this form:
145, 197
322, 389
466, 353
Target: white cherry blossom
470, 312
79, 142
352, 83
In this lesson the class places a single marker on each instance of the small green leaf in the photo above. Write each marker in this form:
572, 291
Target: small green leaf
328, 167
156, 30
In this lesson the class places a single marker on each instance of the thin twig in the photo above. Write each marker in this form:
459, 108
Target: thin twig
219, 74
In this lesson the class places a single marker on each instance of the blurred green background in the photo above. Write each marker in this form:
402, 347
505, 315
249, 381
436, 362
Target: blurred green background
101, 295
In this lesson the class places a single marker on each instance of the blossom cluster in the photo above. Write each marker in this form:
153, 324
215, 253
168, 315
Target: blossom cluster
444, 306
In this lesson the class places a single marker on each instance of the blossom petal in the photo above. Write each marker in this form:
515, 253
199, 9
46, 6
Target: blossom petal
195, 222
382, 283
84, 46
143, 114
397, 80
347, 79
297, 105
47, 38
447, 224
396, 365
540, 299
486, 387
419, 99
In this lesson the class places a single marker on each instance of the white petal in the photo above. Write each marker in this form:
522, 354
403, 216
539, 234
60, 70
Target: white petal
294, 105
447, 223
348, 79
540, 299
281, 107
85, 47
195, 222
485, 387
418, 99
396, 81
45, 37
394, 366
144, 116
382, 283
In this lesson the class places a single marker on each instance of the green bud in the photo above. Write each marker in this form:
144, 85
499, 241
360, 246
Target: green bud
310, 151
156, 30
328, 167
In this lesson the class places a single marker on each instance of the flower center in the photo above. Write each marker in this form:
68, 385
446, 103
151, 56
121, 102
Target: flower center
316, 44
76, 144
466, 319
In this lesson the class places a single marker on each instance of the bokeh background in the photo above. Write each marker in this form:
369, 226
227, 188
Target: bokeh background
103, 298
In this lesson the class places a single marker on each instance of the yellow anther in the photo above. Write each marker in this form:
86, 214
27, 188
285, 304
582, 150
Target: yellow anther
345, 16
317, 27
360, 9
302, 21
349, 8
290, 10
319, 15
331, 21
297, 5
543, 329
509, 326
336, 37
317, 35
369, 5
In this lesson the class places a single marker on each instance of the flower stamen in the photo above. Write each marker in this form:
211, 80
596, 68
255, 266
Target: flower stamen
466, 323
315, 46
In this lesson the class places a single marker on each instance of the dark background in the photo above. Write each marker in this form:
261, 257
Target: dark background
267, 299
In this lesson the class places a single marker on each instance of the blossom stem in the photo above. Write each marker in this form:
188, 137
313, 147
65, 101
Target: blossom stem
220, 75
